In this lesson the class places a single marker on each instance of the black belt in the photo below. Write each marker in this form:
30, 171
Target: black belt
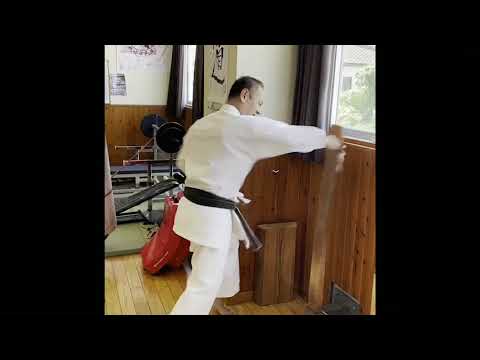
205, 198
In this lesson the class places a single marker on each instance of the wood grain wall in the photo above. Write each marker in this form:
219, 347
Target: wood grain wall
122, 127
291, 194
350, 260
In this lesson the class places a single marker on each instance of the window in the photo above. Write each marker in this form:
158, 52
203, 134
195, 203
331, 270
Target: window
347, 83
354, 91
190, 55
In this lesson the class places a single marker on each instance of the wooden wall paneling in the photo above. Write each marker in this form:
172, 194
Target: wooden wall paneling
122, 127
361, 236
351, 177
346, 261
367, 281
351, 239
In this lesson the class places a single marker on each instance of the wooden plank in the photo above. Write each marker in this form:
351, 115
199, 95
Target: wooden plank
336, 229
148, 283
313, 203
136, 287
165, 296
160, 280
152, 296
123, 287
174, 283
320, 227
152, 284
112, 302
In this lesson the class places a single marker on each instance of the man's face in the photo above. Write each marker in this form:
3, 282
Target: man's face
252, 101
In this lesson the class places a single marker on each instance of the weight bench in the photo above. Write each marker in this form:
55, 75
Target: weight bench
123, 204
153, 216
140, 171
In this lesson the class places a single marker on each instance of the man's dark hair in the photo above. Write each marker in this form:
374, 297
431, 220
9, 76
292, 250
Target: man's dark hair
245, 82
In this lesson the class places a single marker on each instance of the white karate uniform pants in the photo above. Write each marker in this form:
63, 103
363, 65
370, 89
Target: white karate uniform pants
215, 274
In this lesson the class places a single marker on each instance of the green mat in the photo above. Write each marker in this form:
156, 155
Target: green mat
130, 238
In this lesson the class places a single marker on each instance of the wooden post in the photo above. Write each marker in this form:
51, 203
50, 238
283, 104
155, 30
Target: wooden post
320, 233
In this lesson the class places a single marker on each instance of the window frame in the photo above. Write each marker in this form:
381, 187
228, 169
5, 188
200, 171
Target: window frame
338, 79
188, 102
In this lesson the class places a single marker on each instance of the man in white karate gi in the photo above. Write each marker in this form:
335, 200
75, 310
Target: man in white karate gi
218, 152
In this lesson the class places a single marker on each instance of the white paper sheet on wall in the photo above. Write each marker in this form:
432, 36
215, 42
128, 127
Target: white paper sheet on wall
218, 73
118, 85
142, 57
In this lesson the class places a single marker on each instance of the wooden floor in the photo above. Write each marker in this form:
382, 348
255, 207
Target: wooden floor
131, 291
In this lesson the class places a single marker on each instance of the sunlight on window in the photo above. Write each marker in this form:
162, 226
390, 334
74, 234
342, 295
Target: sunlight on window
190, 70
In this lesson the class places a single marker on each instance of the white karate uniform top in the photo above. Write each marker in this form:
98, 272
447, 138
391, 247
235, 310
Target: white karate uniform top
218, 152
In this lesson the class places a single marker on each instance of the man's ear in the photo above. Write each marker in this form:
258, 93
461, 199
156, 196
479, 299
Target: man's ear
244, 95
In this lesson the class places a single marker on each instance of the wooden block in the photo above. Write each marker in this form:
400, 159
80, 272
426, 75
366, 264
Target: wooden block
286, 267
241, 297
267, 272
275, 264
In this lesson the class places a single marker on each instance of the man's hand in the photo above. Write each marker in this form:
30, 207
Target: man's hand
333, 142
341, 158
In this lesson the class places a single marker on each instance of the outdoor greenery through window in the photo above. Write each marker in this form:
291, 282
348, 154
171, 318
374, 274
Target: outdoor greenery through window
354, 103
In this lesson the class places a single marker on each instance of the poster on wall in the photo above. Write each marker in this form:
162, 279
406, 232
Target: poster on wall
218, 73
118, 85
142, 57
107, 85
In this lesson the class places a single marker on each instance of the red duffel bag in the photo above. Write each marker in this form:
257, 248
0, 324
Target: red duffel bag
165, 247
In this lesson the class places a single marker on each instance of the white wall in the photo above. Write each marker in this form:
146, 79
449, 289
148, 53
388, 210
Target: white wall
144, 87
276, 66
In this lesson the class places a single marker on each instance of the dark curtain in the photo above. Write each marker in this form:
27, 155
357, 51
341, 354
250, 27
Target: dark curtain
176, 96
198, 87
314, 90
